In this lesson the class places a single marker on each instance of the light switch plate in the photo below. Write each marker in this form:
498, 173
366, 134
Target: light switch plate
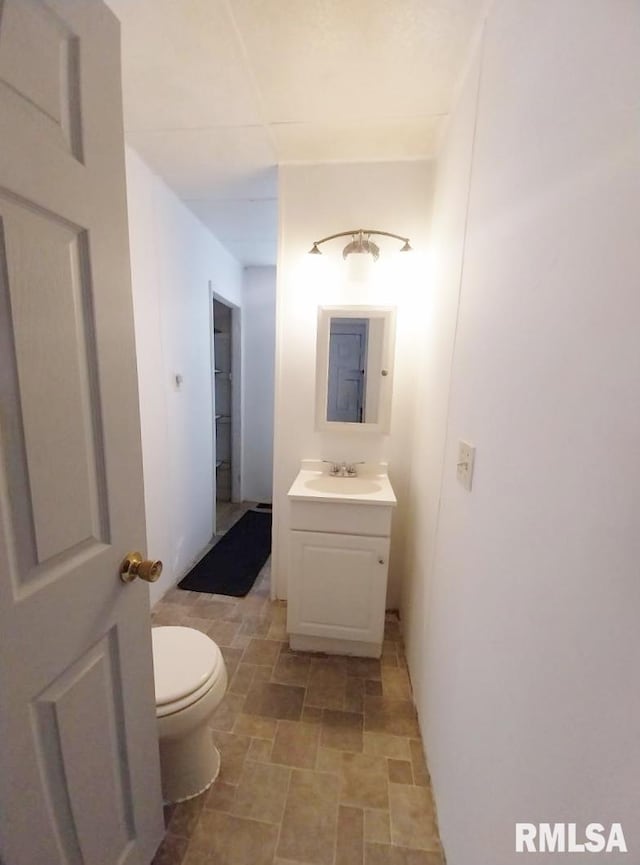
466, 458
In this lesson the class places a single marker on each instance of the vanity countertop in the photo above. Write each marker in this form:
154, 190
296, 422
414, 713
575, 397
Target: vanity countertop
371, 486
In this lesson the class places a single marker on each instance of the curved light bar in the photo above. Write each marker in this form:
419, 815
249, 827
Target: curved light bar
361, 242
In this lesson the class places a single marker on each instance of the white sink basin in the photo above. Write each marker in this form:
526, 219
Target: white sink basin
315, 485
343, 486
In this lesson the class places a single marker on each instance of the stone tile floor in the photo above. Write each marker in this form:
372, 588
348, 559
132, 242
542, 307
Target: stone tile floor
322, 762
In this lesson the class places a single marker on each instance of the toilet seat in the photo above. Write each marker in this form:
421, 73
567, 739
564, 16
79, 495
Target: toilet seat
186, 665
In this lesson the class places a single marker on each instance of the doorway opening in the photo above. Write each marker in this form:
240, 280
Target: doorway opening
226, 407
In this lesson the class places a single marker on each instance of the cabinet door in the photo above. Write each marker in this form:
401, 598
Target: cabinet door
338, 586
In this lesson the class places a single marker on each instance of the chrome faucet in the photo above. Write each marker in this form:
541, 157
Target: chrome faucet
343, 469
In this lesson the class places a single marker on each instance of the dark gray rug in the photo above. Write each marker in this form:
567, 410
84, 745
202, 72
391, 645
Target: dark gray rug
231, 567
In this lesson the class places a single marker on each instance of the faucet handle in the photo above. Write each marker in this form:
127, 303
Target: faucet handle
335, 468
351, 468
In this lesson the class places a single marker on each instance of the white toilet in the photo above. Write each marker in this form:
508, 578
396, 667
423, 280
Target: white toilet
190, 681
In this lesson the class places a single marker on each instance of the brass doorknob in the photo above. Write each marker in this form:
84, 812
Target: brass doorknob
135, 566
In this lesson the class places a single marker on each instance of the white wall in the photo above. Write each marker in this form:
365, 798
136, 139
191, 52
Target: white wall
314, 201
432, 395
526, 671
258, 365
173, 258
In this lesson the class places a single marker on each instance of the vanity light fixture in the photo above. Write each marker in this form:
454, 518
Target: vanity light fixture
361, 242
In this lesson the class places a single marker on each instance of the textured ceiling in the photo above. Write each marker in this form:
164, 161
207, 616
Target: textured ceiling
218, 92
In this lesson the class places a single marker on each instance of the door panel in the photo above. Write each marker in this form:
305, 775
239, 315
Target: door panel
46, 288
49, 88
78, 734
85, 701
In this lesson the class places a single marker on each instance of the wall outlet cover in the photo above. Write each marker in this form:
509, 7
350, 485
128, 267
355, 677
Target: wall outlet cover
466, 459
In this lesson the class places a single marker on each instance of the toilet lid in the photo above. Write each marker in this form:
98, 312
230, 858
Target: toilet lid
183, 661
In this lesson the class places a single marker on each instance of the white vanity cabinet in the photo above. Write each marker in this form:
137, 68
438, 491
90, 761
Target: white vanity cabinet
338, 565
339, 589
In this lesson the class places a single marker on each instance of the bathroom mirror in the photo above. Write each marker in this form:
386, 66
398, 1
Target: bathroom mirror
354, 372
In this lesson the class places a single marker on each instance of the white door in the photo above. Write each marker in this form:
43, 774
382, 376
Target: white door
79, 774
347, 369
